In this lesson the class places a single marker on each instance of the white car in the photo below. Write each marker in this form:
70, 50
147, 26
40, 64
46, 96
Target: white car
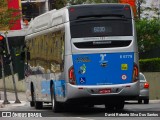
144, 90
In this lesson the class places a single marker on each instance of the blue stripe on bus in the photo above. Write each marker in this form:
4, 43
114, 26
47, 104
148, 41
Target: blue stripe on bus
103, 69
59, 87
45, 87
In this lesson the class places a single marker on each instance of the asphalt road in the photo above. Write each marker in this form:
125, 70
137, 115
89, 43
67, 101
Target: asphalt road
131, 111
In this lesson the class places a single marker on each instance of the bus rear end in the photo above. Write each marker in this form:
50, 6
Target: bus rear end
104, 59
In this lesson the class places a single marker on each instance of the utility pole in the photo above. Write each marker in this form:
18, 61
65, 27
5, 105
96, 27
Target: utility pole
11, 67
139, 9
158, 9
2, 51
4, 83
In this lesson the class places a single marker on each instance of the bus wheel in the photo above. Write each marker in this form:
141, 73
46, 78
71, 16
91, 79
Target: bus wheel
56, 106
91, 105
32, 103
109, 107
119, 106
38, 105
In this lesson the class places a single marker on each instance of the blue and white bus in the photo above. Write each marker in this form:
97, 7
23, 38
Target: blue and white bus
82, 54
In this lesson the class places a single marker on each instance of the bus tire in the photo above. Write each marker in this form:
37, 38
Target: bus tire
32, 104
119, 106
109, 107
56, 106
38, 105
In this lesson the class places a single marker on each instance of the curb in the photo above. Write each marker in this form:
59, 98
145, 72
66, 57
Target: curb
12, 104
136, 101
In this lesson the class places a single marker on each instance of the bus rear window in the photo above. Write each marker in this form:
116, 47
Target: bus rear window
99, 28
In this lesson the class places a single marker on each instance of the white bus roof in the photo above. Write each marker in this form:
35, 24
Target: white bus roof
48, 20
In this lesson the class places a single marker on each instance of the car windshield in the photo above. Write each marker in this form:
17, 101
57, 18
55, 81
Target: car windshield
141, 77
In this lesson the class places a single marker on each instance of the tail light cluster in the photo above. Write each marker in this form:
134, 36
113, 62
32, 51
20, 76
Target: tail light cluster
135, 73
71, 75
146, 85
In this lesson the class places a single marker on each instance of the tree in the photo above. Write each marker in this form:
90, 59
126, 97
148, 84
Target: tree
8, 16
148, 11
59, 4
148, 34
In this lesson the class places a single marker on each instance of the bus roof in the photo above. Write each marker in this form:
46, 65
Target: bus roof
97, 10
56, 17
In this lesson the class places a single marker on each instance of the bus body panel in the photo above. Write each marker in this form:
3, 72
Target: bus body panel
126, 91
100, 72
103, 69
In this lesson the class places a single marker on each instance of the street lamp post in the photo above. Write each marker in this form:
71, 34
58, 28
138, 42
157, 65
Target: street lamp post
4, 83
158, 8
139, 9
11, 67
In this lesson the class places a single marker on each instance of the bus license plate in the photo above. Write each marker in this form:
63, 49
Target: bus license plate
104, 91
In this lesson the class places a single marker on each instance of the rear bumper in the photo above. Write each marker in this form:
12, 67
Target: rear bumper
91, 93
97, 100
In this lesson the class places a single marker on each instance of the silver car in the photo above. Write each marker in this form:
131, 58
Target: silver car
144, 90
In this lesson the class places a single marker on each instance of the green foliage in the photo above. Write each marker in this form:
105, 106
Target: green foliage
149, 9
59, 4
8, 16
148, 34
150, 65
7, 19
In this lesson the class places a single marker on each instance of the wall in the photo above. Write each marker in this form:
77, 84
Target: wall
152, 77
154, 80
9, 83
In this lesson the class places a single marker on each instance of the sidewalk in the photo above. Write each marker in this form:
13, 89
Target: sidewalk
11, 97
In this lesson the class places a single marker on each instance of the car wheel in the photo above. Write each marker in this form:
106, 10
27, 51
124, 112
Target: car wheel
139, 101
146, 101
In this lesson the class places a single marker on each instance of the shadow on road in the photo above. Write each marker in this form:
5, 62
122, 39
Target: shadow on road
81, 111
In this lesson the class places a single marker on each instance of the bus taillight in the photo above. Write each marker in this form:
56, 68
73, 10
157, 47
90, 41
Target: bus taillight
135, 73
71, 76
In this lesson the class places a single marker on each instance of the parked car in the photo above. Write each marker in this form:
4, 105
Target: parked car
144, 90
